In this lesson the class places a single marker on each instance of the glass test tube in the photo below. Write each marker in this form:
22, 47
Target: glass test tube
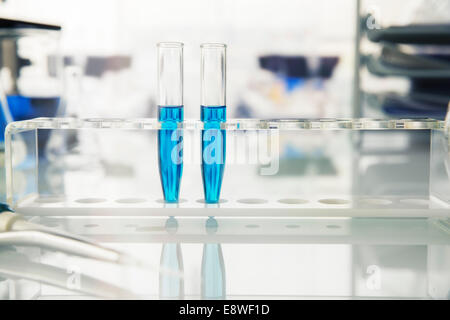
170, 113
213, 113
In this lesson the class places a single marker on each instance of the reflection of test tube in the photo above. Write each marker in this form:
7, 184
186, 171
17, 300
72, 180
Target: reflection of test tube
213, 266
171, 282
213, 113
170, 114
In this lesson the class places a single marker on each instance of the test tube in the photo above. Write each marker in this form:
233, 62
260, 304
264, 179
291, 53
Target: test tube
213, 113
170, 114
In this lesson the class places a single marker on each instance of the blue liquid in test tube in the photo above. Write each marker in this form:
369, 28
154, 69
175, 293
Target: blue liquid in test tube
170, 114
213, 114
214, 151
170, 148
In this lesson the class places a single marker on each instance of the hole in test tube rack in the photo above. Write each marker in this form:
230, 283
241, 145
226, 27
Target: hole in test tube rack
90, 200
334, 201
333, 226
292, 226
293, 201
252, 226
252, 201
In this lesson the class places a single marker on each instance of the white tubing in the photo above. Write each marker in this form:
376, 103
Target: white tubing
7, 219
49, 241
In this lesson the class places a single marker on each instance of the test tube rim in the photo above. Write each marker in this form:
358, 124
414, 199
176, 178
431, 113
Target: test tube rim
214, 45
170, 45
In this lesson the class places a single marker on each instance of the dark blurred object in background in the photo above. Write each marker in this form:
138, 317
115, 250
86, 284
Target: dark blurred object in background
31, 84
297, 66
426, 64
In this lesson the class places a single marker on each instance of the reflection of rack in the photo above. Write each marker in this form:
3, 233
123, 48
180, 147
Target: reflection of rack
245, 230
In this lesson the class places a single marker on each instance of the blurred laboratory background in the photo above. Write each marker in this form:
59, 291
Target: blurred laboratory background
286, 58
275, 47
